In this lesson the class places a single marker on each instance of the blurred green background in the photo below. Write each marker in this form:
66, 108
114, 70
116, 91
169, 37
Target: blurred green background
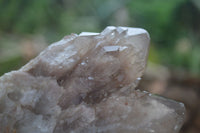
28, 26
174, 26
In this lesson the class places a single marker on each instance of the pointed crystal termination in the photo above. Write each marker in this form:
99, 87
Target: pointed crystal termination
85, 84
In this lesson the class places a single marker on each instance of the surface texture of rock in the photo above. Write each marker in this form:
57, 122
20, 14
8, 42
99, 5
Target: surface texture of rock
85, 83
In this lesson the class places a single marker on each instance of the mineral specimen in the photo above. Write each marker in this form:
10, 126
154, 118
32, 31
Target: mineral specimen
86, 84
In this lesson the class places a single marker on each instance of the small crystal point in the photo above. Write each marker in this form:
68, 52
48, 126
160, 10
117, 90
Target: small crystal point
85, 83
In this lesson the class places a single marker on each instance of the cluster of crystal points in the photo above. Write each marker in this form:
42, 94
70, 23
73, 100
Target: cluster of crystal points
85, 84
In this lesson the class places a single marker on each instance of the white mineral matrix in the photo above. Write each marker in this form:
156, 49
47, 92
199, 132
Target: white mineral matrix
86, 84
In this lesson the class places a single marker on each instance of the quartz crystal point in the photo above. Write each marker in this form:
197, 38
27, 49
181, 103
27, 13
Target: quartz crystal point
85, 84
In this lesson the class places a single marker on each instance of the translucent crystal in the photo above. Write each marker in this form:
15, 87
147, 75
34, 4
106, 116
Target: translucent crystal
85, 83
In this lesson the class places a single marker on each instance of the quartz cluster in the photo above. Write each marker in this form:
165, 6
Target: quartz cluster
86, 84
